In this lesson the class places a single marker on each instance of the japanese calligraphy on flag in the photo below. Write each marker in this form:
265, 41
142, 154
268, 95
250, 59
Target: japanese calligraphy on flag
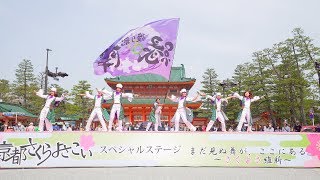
147, 49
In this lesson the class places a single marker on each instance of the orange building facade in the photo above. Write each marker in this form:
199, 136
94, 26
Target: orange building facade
149, 87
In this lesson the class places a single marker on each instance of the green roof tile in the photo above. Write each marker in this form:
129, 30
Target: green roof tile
6, 107
177, 75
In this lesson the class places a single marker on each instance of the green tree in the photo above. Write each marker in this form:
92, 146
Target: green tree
246, 77
265, 84
305, 56
41, 79
210, 84
285, 76
79, 103
35, 103
4, 90
25, 81
239, 77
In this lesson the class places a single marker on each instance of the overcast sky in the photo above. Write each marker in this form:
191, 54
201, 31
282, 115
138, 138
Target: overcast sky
217, 34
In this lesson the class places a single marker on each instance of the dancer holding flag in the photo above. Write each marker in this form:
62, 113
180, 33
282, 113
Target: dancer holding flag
97, 110
47, 113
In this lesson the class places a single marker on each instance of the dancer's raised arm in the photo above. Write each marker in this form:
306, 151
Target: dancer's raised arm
40, 93
88, 95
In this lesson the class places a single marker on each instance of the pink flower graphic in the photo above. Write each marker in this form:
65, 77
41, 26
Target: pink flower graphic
86, 142
313, 162
314, 147
228, 159
248, 160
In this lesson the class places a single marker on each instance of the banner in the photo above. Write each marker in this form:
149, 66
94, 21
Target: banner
13, 114
103, 149
147, 49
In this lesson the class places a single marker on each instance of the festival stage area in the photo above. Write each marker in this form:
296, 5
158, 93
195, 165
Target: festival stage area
194, 149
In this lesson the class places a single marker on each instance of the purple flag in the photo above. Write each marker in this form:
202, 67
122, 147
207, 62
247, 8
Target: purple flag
147, 49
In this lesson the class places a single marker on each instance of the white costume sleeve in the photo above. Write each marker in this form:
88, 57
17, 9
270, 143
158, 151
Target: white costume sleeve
174, 98
40, 94
107, 95
211, 97
255, 98
224, 100
238, 96
193, 99
60, 98
190, 99
89, 95
128, 95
